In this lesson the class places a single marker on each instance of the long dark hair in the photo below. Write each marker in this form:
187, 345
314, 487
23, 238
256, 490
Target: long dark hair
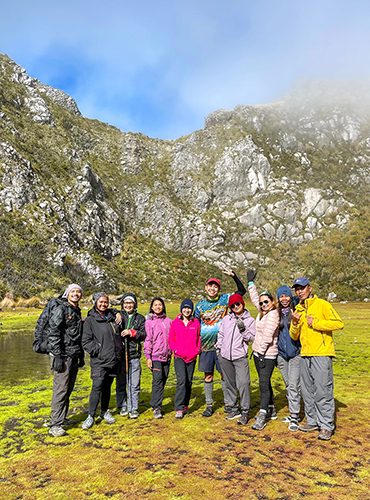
161, 301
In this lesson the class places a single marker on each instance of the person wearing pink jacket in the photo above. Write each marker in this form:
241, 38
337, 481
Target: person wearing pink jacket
265, 348
157, 351
184, 341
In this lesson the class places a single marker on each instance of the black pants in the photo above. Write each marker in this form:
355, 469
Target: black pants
264, 377
184, 375
160, 370
102, 380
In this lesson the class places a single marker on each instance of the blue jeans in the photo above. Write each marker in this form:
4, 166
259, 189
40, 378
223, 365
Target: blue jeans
128, 385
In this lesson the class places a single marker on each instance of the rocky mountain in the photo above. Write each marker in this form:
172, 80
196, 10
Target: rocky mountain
278, 187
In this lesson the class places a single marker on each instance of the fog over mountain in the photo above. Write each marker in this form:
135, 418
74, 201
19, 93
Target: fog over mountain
282, 187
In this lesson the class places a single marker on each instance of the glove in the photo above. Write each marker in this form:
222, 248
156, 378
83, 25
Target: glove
251, 275
58, 364
240, 324
81, 362
261, 361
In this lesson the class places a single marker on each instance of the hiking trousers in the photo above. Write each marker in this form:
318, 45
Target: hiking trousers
317, 384
63, 385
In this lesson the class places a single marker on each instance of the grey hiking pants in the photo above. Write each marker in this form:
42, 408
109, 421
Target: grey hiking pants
63, 385
291, 372
236, 382
317, 386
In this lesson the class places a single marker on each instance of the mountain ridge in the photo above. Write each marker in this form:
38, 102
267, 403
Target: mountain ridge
254, 181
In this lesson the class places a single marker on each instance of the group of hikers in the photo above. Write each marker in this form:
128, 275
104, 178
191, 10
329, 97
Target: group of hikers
292, 331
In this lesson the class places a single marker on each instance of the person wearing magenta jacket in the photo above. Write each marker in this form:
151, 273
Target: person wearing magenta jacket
157, 351
184, 341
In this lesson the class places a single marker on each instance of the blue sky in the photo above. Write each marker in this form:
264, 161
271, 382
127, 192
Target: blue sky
161, 67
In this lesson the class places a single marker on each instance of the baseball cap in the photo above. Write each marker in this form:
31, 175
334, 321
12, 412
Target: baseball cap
214, 280
302, 281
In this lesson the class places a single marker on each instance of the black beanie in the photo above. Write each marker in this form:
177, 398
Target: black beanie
187, 303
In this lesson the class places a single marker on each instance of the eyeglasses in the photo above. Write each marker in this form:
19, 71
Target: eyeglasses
264, 302
236, 304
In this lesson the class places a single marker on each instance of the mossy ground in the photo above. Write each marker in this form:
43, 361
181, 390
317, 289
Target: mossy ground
196, 457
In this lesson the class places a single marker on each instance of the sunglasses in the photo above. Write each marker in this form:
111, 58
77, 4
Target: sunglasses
237, 304
263, 302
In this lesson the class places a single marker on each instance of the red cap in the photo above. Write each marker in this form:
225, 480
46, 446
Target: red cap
236, 298
214, 280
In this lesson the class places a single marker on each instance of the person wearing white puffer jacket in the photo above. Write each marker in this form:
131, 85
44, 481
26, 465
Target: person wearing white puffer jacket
265, 348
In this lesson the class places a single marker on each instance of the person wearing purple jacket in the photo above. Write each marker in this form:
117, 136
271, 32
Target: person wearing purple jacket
237, 329
185, 343
157, 351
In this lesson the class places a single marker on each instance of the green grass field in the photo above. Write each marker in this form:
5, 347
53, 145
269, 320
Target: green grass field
195, 457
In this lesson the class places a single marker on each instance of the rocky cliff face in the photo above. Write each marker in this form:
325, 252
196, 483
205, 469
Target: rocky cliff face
253, 179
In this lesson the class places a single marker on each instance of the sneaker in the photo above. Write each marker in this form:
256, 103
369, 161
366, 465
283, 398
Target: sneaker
260, 422
185, 410
243, 420
325, 434
233, 414
308, 427
157, 413
208, 412
179, 414
133, 414
123, 411
89, 422
271, 413
293, 425
57, 431
108, 417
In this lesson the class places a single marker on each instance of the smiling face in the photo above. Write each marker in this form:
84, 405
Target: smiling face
265, 303
285, 300
212, 290
303, 292
129, 306
157, 307
186, 312
102, 304
74, 296
237, 308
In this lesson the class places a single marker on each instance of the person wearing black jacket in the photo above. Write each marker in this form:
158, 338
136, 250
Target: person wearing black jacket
128, 378
101, 339
64, 345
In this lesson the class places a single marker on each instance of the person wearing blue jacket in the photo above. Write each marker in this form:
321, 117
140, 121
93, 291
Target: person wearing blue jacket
289, 358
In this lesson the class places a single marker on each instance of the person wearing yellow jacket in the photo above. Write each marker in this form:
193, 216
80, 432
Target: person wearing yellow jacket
313, 323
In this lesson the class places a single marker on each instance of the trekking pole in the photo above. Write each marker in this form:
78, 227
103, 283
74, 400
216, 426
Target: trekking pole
127, 366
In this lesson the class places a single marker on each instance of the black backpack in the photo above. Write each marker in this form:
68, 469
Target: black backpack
40, 342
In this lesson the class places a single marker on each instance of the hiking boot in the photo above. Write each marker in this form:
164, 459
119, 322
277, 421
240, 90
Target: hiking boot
243, 420
233, 414
325, 434
293, 425
57, 431
308, 427
133, 414
123, 411
179, 414
271, 413
260, 422
208, 412
108, 417
157, 413
89, 422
